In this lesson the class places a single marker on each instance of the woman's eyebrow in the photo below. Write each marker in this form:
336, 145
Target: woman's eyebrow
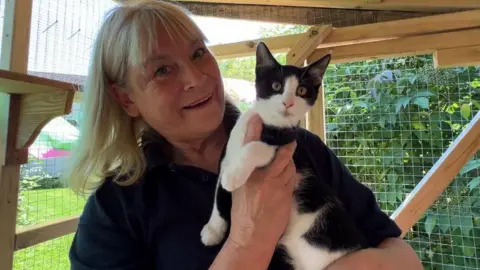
155, 58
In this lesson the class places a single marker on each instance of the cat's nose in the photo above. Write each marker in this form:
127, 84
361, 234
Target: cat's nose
289, 103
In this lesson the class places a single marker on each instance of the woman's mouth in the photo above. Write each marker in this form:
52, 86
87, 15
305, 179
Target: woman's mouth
199, 103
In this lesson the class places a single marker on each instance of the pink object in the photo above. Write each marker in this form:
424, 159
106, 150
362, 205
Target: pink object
54, 153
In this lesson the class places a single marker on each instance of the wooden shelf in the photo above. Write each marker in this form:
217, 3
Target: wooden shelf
19, 83
33, 102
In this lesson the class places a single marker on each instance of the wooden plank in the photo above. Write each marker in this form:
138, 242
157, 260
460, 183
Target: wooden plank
463, 56
417, 45
9, 187
316, 116
19, 83
14, 57
405, 5
307, 44
248, 47
367, 33
37, 234
16, 35
439, 176
9, 179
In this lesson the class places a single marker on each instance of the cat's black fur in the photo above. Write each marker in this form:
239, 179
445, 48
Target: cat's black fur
334, 230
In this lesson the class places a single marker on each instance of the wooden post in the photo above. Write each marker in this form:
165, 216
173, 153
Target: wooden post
297, 56
14, 56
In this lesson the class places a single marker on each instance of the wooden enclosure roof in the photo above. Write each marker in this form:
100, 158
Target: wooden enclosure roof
398, 5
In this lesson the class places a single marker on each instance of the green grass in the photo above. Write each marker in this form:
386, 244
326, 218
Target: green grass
41, 206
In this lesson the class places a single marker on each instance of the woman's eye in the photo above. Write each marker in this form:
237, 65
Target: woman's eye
162, 71
199, 53
276, 86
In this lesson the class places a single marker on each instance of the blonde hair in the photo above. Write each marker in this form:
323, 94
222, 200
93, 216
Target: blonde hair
110, 140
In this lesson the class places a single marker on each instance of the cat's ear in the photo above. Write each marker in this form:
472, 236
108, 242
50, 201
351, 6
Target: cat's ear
265, 58
317, 69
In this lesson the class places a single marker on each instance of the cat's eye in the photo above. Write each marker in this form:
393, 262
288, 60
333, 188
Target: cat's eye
301, 91
276, 86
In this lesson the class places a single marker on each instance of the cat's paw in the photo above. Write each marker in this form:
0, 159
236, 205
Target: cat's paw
213, 234
233, 178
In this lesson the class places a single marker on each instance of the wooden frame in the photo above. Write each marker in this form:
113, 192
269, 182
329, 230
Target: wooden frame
362, 34
40, 233
407, 5
29, 102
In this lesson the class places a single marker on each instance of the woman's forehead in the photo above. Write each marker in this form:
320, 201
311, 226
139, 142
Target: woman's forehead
165, 39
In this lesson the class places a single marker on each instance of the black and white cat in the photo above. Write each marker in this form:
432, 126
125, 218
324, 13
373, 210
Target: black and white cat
320, 230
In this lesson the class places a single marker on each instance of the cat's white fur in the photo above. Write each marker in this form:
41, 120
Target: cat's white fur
241, 159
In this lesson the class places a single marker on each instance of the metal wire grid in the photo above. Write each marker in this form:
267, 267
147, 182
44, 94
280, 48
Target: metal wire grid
52, 35
2, 15
390, 121
61, 38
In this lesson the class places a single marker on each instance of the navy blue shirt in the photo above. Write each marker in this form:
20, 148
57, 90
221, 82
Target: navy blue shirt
156, 222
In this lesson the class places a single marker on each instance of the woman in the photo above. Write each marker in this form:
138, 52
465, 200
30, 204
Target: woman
156, 121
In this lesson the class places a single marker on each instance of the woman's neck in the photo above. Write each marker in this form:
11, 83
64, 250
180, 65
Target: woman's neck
202, 152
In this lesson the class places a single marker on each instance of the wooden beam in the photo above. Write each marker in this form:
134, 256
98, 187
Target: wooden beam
307, 44
367, 33
463, 56
417, 45
21, 83
439, 176
404, 5
13, 56
41, 233
16, 35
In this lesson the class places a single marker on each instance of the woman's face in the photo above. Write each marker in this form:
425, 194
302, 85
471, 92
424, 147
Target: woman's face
181, 91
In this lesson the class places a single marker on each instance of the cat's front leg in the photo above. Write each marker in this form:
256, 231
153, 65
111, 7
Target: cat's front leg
253, 155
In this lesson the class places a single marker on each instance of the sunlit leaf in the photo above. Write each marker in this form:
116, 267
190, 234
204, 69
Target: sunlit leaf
465, 111
422, 102
424, 94
472, 164
430, 223
466, 224
474, 183
444, 223
402, 102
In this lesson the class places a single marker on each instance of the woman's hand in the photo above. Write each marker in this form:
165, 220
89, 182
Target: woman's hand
261, 207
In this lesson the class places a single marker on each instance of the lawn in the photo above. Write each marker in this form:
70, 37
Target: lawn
43, 206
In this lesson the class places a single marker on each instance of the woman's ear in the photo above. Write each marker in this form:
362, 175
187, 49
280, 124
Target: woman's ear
123, 98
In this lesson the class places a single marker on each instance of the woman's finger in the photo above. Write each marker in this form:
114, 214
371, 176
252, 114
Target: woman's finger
254, 129
282, 158
288, 173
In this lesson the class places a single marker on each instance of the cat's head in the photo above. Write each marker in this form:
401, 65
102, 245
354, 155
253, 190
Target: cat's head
285, 93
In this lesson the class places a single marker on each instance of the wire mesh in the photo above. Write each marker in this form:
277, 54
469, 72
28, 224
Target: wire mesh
390, 121
2, 15
61, 38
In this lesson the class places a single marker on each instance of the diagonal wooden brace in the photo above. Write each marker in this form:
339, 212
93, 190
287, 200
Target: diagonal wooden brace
307, 44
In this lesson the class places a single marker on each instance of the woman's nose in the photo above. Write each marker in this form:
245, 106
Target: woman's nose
193, 76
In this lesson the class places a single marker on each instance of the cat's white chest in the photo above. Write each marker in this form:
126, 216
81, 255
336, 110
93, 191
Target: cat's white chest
305, 256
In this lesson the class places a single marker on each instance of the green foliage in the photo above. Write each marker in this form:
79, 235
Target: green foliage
390, 121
